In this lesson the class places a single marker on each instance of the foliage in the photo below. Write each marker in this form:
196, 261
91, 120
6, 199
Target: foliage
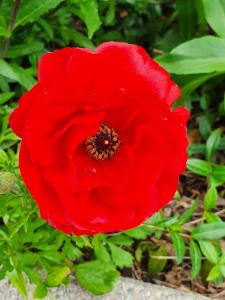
187, 38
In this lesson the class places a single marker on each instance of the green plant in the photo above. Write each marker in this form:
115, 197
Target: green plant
187, 38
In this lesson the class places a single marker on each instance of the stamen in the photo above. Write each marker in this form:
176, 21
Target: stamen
104, 144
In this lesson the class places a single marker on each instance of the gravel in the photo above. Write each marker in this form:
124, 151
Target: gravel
126, 289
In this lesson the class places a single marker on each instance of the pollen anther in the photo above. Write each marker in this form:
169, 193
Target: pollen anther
104, 144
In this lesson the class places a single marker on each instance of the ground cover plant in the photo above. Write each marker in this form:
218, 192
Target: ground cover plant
183, 244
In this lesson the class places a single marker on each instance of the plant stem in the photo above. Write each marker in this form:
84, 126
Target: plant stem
172, 257
12, 20
166, 231
203, 218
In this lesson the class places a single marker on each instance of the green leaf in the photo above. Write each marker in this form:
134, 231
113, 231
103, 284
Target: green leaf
199, 167
4, 32
218, 172
24, 78
179, 246
143, 247
24, 49
121, 239
16, 73
186, 17
3, 158
100, 250
214, 273
222, 258
211, 198
139, 233
204, 102
17, 279
196, 148
222, 140
120, 257
203, 47
32, 274
56, 277
4, 124
215, 15
49, 30
201, 15
4, 97
28, 258
209, 251
88, 12
31, 10
7, 182
5, 8
188, 213
157, 265
198, 56
110, 15
189, 83
212, 143
139, 253
166, 222
97, 276
210, 231
222, 270
196, 259
7, 71
205, 126
176, 196
155, 219
52, 255
81, 241
78, 38
183, 65
40, 291
211, 217
71, 251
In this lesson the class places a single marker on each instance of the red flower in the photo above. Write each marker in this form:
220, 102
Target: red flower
101, 147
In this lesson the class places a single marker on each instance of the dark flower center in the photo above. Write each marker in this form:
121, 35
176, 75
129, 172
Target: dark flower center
104, 144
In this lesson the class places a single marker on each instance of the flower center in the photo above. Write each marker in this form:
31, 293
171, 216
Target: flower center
104, 144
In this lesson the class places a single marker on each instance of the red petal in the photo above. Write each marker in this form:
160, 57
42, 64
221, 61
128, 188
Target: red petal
19, 117
173, 94
53, 65
131, 68
44, 195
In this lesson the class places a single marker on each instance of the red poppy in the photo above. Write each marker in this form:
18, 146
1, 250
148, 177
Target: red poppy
101, 147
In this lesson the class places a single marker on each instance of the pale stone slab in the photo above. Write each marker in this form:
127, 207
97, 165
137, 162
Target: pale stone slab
126, 289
